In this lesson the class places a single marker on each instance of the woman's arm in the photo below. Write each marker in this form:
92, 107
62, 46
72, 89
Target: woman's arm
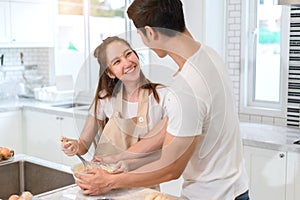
88, 133
81, 146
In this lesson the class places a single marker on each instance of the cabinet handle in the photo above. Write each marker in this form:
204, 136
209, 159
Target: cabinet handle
281, 155
59, 118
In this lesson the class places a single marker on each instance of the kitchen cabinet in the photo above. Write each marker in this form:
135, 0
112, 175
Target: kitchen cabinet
267, 172
43, 132
11, 130
27, 23
293, 176
4, 22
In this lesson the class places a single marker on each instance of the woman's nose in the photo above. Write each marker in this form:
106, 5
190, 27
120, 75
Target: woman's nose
126, 62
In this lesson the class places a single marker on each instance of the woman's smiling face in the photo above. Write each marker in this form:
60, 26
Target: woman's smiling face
123, 62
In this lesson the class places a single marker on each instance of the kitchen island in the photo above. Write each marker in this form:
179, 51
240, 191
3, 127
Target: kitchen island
52, 181
73, 192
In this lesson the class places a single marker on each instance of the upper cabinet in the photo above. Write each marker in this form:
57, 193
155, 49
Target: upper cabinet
4, 22
26, 23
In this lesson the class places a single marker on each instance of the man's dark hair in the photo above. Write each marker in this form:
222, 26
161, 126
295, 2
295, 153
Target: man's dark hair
162, 14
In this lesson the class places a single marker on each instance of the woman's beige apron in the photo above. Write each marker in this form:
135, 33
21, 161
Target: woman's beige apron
120, 133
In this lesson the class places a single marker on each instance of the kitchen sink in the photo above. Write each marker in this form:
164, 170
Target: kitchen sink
19, 176
70, 105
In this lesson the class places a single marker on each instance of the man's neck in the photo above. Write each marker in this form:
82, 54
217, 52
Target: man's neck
182, 47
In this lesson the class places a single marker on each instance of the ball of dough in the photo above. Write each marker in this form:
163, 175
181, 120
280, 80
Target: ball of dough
14, 197
156, 196
26, 196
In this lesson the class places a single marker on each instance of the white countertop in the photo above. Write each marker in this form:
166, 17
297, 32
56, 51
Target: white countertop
257, 135
270, 136
74, 192
42, 106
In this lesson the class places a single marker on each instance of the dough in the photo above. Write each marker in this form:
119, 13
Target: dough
156, 196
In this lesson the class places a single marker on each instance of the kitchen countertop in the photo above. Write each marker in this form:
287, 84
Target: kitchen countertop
19, 157
270, 137
253, 134
31, 104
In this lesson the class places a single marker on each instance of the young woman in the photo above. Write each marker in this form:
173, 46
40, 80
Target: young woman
131, 103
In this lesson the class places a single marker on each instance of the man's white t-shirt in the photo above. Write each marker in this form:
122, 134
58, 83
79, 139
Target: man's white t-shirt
204, 105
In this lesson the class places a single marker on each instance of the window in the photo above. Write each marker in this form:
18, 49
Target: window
81, 25
265, 58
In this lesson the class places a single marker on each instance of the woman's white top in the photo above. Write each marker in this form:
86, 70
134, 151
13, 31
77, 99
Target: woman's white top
156, 111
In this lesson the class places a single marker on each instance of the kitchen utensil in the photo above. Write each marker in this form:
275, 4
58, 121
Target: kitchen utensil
22, 58
297, 142
2, 59
84, 162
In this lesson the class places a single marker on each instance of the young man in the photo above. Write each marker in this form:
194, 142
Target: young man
202, 139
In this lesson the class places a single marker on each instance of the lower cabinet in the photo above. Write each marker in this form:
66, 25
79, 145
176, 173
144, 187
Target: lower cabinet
11, 130
43, 132
273, 174
293, 176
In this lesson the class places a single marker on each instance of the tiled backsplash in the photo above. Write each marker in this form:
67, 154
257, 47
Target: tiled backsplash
32, 56
41, 57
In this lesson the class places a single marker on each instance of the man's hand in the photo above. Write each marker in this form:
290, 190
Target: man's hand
96, 184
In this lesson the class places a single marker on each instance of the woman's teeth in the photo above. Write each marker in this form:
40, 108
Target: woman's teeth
130, 70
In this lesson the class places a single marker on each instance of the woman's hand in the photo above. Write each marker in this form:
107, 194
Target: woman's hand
120, 165
111, 159
69, 146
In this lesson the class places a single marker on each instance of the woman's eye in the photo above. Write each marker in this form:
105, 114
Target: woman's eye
128, 53
116, 62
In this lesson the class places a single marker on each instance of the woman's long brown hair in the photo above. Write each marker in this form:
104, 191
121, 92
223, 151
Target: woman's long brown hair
112, 86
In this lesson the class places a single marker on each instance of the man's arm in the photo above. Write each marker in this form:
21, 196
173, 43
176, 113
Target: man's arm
175, 155
151, 143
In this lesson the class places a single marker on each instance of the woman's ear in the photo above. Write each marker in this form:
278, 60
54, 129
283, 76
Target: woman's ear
110, 74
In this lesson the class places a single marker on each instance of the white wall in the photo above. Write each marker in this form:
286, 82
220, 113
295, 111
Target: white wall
195, 15
215, 17
205, 19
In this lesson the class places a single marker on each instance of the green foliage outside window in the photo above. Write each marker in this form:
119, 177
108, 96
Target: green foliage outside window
268, 37
97, 8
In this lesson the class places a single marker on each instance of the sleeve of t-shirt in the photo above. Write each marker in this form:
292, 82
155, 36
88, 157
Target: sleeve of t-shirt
185, 111
100, 111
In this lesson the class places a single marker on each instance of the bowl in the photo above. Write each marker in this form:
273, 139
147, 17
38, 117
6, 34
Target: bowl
80, 168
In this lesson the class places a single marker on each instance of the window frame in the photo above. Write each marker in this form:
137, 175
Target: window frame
247, 105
